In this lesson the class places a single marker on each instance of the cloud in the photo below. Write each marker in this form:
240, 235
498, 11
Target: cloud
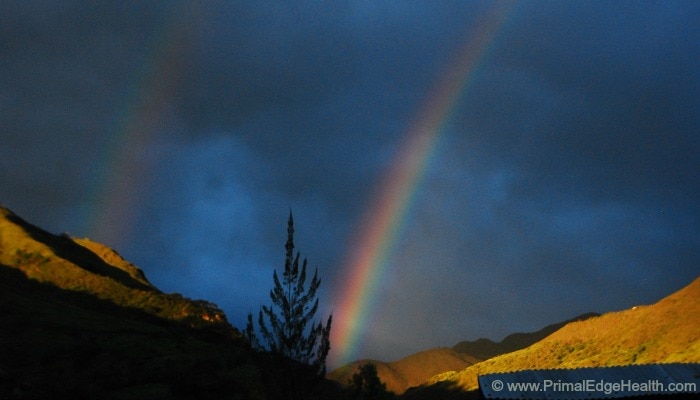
564, 181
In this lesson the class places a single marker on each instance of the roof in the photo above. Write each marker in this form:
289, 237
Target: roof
593, 383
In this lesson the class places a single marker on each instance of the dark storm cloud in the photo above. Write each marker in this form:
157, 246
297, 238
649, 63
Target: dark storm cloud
65, 68
567, 166
601, 93
564, 182
281, 56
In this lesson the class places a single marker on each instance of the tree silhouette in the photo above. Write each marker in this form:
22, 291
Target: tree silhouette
365, 384
292, 311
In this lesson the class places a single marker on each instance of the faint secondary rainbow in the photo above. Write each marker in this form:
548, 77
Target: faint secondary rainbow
123, 174
368, 255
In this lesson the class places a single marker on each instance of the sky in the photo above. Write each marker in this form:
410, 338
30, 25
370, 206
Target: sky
558, 172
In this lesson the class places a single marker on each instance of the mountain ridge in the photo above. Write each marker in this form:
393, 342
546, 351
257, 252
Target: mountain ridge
663, 332
80, 321
91, 267
484, 349
408, 371
416, 368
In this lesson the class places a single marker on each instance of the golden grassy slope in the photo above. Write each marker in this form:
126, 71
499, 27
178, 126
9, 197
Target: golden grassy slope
484, 349
85, 266
665, 332
112, 258
409, 371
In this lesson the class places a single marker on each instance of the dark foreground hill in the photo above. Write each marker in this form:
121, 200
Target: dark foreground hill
77, 321
61, 344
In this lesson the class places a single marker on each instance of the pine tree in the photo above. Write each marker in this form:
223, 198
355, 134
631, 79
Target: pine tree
292, 311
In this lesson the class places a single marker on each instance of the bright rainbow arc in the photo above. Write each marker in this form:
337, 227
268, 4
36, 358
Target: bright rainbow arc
381, 225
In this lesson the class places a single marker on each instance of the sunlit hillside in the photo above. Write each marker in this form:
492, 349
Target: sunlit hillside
664, 332
78, 321
409, 371
484, 349
89, 267
415, 369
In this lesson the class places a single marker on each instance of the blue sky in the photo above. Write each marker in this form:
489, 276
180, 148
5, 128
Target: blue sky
565, 180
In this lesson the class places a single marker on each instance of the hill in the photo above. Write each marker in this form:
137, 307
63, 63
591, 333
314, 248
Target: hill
78, 321
409, 371
664, 332
484, 349
89, 267
415, 369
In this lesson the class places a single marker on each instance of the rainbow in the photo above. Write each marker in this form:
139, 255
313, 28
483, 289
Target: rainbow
368, 255
142, 116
